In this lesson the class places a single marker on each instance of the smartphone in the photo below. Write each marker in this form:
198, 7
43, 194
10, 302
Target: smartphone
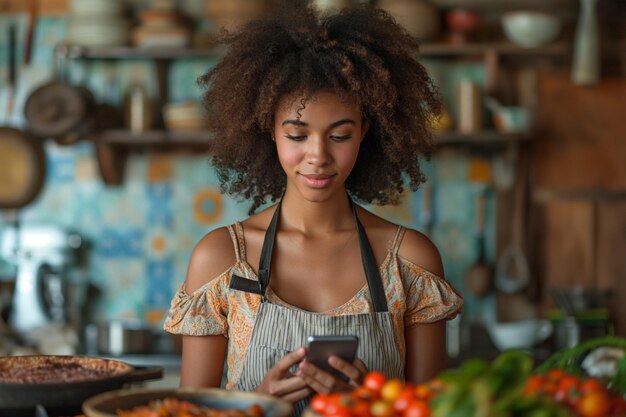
320, 348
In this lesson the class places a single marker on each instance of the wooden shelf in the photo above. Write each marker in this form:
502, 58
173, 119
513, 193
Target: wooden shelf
433, 49
154, 138
125, 138
131, 52
556, 49
484, 138
113, 146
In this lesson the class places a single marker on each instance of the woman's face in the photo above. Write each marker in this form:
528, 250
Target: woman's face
318, 145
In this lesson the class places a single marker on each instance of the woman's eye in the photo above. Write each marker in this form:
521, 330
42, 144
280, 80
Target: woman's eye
295, 137
340, 138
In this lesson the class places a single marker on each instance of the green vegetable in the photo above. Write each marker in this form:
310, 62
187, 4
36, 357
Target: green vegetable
481, 389
569, 360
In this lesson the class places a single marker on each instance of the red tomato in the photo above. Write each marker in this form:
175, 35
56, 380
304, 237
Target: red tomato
591, 384
423, 392
361, 409
363, 393
319, 403
619, 404
555, 374
402, 402
417, 408
380, 408
534, 384
374, 381
335, 405
340, 413
594, 404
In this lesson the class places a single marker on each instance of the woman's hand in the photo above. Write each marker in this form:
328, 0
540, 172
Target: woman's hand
323, 382
280, 382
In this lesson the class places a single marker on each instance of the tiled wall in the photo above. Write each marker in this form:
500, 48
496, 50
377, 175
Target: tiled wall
142, 233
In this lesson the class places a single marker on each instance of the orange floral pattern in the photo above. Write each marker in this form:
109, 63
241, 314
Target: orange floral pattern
414, 296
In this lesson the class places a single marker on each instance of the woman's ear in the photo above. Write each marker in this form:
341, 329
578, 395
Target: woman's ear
365, 126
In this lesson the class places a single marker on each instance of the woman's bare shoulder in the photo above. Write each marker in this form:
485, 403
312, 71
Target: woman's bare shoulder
212, 256
419, 249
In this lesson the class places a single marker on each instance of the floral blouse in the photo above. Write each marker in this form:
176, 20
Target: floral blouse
414, 296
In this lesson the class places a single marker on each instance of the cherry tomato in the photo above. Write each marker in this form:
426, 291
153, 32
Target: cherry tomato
361, 409
364, 393
423, 392
319, 403
555, 374
335, 404
391, 390
619, 404
436, 385
381, 408
417, 408
594, 404
591, 385
534, 384
374, 381
403, 400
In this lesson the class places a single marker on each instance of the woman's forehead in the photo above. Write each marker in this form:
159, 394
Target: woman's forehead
296, 103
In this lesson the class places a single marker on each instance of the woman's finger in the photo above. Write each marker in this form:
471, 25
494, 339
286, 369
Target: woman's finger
286, 386
353, 371
296, 396
318, 379
290, 359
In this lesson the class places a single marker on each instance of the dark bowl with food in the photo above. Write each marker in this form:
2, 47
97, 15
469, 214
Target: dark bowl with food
109, 404
61, 383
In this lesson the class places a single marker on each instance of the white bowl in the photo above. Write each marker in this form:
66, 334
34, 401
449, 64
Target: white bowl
530, 29
521, 334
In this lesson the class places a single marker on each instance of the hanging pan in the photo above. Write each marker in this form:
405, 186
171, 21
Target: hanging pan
57, 109
22, 158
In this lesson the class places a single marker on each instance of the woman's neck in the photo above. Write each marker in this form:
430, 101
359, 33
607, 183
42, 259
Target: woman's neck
313, 218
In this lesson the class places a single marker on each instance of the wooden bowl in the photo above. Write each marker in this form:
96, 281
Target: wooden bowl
106, 404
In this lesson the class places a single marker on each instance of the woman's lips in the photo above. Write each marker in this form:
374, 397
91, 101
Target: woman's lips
317, 181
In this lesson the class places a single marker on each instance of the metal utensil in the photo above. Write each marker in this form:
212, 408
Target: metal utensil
40, 411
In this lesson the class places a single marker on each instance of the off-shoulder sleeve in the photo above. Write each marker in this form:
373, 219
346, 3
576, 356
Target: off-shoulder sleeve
201, 313
429, 298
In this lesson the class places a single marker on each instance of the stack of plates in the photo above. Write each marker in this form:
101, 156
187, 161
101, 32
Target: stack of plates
186, 116
164, 27
98, 23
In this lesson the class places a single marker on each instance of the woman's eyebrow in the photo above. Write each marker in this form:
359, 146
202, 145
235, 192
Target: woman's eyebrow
297, 122
342, 122
293, 122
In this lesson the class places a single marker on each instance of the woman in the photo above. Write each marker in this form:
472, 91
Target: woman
318, 115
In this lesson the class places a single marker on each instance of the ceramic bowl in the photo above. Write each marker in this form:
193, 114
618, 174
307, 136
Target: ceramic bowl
530, 29
512, 119
521, 334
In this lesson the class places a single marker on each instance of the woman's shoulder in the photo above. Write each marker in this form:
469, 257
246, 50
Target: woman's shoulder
413, 246
213, 255
417, 248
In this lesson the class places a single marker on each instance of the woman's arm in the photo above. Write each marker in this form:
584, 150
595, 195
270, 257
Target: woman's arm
203, 361
203, 356
425, 343
425, 351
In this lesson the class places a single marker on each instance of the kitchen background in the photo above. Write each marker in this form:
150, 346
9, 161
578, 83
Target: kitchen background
532, 142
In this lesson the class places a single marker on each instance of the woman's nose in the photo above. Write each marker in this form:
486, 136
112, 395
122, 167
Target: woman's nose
317, 151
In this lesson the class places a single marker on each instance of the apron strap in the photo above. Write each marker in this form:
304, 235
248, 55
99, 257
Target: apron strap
372, 273
265, 264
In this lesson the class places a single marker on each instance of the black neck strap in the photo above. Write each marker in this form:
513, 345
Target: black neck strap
372, 274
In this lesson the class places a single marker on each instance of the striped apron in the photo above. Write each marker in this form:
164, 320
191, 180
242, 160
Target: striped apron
279, 330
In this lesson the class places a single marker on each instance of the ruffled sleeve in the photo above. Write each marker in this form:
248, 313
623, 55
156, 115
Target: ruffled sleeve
429, 298
202, 313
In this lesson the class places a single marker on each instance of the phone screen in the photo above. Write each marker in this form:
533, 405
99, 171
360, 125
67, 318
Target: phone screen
320, 348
